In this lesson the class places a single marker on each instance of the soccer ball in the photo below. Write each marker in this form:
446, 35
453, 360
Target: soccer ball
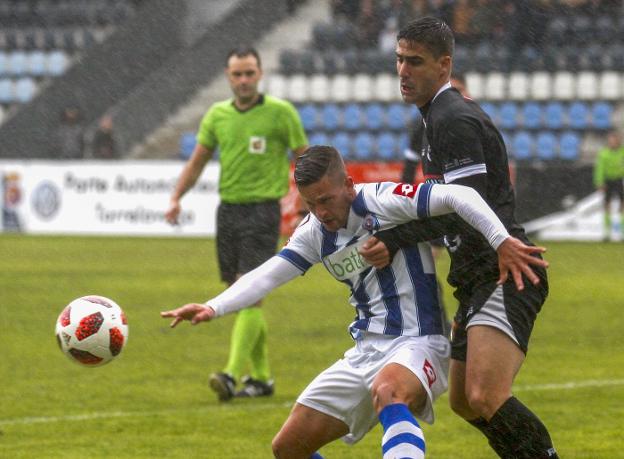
92, 330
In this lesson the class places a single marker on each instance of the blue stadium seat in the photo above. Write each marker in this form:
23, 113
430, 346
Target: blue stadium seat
25, 89
308, 114
37, 63
601, 114
387, 146
554, 115
352, 117
570, 146
578, 115
532, 115
364, 146
395, 116
508, 115
187, 144
402, 143
490, 109
522, 146
343, 143
330, 117
17, 63
318, 138
546, 145
374, 116
57, 62
3, 63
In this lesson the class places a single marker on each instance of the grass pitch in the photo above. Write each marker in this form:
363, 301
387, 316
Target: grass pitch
154, 401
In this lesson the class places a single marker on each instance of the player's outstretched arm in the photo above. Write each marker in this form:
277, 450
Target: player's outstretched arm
516, 258
194, 312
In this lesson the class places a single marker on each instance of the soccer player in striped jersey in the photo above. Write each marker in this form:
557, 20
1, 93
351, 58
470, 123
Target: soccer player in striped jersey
399, 362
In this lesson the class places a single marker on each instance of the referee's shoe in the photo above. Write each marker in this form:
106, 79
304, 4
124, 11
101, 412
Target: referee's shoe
223, 384
255, 388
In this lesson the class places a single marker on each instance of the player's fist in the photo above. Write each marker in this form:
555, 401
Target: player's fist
172, 213
194, 312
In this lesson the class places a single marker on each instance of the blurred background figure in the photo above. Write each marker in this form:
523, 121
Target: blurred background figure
609, 177
103, 145
69, 141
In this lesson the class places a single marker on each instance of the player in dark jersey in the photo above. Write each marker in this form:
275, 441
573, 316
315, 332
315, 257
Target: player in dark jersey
495, 318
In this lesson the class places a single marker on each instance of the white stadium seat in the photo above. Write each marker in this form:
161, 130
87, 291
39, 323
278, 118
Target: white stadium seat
564, 86
540, 86
494, 88
610, 86
340, 88
386, 87
518, 86
474, 85
277, 86
587, 86
297, 88
318, 86
362, 87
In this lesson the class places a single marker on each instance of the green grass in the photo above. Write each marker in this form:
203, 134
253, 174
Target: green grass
153, 401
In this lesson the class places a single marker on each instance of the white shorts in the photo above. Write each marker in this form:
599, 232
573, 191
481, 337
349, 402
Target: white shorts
343, 391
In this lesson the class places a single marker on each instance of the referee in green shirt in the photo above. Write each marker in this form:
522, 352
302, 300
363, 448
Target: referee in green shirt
253, 132
609, 176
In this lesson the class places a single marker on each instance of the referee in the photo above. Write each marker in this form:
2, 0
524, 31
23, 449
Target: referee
253, 132
496, 313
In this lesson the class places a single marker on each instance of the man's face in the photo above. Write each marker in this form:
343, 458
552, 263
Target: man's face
243, 73
330, 200
421, 75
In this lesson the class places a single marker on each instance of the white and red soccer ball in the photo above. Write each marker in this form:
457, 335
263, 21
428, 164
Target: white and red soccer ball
92, 330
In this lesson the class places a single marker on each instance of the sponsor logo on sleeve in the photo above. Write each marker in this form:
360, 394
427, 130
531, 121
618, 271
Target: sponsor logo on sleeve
405, 189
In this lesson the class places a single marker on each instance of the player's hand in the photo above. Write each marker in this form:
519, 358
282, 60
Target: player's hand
375, 253
195, 312
172, 213
516, 258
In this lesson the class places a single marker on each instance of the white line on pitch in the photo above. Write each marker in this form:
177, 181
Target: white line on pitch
263, 406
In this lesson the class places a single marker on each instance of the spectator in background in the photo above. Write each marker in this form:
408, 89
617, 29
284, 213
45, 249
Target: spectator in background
368, 25
69, 138
463, 12
484, 20
608, 177
104, 141
346, 9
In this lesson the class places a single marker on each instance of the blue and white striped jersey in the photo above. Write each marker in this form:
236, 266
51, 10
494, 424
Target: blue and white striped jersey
401, 299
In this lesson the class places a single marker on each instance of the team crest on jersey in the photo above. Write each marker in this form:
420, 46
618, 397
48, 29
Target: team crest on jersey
257, 145
429, 372
370, 223
405, 189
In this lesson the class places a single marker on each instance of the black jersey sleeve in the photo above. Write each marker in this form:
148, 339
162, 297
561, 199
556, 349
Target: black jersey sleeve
459, 149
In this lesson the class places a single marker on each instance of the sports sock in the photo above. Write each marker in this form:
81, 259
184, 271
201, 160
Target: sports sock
402, 435
497, 445
521, 431
247, 330
260, 353
607, 222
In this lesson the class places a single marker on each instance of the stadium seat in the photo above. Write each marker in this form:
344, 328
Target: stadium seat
363, 146
277, 85
56, 63
395, 116
546, 145
570, 146
518, 85
340, 88
318, 88
352, 117
17, 63
6, 91
309, 117
508, 115
563, 86
578, 115
474, 85
307, 62
385, 87
531, 115
374, 116
540, 86
610, 86
402, 143
318, 138
491, 110
331, 117
3, 63
387, 147
587, 86
494, 87
297, 88
362, 87
36, 65
288, 62
342, 142
330, 63
601, 115
24, 89
522, 146
554, 115
187, 145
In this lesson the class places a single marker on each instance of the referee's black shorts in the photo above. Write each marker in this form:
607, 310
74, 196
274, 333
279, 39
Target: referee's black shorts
247, 236
614, 189
502, 307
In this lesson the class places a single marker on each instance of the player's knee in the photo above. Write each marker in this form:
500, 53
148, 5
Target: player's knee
286, 446
387, 392
459, 405
482, 402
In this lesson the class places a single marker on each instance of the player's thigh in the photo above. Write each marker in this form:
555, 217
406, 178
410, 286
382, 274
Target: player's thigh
398, 384
305, 431
457, 390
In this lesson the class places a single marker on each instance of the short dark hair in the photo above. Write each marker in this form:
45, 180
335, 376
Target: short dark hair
242, 51
432, 32
316, 162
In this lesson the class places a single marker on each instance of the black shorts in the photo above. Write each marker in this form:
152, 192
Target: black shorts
502, 307
614, 189
247, 236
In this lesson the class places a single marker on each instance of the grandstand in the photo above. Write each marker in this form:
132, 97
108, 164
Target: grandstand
553, 86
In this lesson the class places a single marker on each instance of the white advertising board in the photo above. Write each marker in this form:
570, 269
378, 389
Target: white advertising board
95, 197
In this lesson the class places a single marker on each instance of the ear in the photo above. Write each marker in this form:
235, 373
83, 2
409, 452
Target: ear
349, 183
446, 65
